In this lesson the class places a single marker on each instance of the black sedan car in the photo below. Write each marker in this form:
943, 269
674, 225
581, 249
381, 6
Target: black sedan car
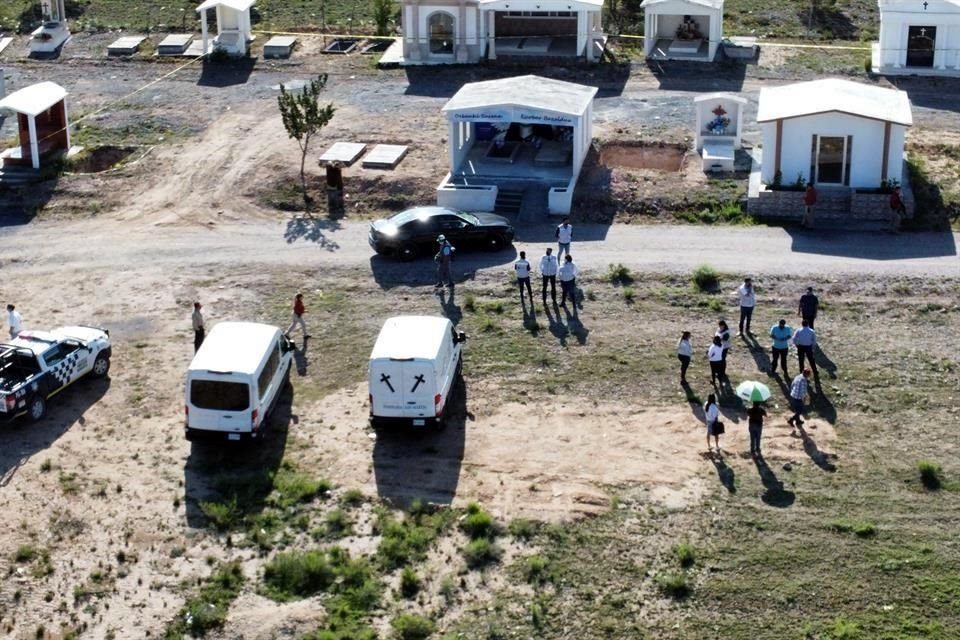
414, 232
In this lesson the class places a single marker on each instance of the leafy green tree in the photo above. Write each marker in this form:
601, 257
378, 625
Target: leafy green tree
304, 116
383, 11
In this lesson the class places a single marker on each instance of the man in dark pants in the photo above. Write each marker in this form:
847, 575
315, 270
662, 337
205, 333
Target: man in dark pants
748, 299
199, 333
781, 334
522, 267
804, 340
548, 271
568, 281
755, 416
809, 305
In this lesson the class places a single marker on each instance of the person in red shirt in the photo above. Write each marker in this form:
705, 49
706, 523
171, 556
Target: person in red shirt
809, 199
897, 210
298, 311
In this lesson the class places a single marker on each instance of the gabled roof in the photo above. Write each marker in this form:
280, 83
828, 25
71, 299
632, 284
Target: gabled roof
707, 97
532, 92
35, 99
710, 4
236, 5
833, 94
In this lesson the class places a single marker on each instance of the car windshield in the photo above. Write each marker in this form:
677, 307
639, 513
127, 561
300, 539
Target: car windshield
220, 396
469, 217
425, 213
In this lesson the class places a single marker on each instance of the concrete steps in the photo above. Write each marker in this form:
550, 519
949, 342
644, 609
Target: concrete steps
509, 202
17, 176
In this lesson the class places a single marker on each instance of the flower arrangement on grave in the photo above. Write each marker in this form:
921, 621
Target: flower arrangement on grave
718, 126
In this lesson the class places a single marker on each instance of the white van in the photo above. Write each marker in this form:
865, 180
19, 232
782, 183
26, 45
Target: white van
414, 366
235, 379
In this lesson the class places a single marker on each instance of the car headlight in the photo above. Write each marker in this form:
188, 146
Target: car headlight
389, 230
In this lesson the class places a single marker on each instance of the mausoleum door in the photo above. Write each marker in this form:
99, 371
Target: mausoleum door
921, 42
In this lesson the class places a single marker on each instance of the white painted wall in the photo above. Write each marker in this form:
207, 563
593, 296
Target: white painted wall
866, 156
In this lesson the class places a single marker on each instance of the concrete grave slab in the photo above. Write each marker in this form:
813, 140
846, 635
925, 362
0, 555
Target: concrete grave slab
385, 156
175, 44
279, 47
4, 43
344, 153
125, 46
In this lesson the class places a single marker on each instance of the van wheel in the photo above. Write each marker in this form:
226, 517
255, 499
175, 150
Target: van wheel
495, 243
37, 408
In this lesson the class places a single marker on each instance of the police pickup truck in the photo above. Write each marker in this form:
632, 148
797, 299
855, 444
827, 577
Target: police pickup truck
36, 365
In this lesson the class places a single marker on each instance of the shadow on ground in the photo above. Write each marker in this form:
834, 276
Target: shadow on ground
389, 273
310, 229
873, 246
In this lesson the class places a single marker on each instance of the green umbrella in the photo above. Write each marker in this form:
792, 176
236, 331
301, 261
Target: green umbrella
752, 390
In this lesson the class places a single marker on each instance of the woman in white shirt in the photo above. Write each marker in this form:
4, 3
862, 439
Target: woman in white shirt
684, 354
715, 356
712, 412
723, 332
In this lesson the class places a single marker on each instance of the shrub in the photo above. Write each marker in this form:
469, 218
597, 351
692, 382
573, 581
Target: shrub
706, 278
674, 585
409, 626
480, 552
337, 524
628, 294
222, 515
409, 582
25, 553
208, 609
291, 488
861, 529
470, 302
536, 570
352, 498
406, 542
522, 529
298, 574
619, 274
685, 554
477, 523
929, 474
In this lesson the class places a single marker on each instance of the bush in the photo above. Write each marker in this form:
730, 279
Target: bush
522, 529
619, 274
25, 553
628, 294
291, 488
352, 498
480, 552
861, 529
685, 555
408, 626
470, 302
929, 474
477, 523
337, 524
208, 609
706, 278
674, 585
222, 515
536, 569
409, 582
298, 574
405, 542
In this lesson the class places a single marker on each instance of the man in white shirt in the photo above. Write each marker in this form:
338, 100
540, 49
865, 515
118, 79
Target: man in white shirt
548, 271
522, 267
564, 237
14, 320
568, 281
748, 299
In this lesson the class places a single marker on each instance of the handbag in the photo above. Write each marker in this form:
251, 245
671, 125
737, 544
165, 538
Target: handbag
718, 428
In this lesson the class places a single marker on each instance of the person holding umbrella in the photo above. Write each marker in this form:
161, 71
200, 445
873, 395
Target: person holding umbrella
758, 393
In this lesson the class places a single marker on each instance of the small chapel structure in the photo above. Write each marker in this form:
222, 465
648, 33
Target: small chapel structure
918, 37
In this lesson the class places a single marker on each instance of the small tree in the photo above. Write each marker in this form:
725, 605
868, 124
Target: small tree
303, 117
383, 11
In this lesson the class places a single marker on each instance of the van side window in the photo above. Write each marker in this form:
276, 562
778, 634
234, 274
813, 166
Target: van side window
269, 370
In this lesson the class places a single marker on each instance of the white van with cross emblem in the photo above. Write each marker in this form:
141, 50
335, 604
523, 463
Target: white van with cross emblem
413, 367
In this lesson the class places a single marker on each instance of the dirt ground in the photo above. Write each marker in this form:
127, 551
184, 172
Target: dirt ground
107, 475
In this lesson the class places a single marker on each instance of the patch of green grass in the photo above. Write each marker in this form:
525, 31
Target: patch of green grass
537, 570
477, 523
337, 524
470, 302
706, 278
409, 582
300, 574
291, 488
859, 528
628, 294
25, 553
69, 483
685, 555
619, 274
224, 516
410, 626
480, 552
352, 498
207, 609
929, 474
522, 529
674, 585
406, 541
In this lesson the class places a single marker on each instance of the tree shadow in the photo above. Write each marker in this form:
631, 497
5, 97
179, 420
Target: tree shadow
774, 495
21, 440
312, 229
416, 463
829, 22
219, 471
821, 459
726, 474
449, 306
227, 72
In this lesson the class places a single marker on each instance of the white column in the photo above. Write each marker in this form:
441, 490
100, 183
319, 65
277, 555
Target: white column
66, 122
940, 50
716, 26
581, 32
454, 143
648, 31
901, 53
414, 30
203, 28
492, 35
34, 147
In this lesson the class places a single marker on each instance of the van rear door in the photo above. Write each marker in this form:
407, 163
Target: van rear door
419, 391
219, 405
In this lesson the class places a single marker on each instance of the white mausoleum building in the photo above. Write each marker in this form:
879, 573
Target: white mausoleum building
918, 37
443, 32
682, 29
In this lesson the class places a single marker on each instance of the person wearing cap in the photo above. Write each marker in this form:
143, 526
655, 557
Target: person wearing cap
804, 340
808, 307
548, 272
199, 332
748, 299
781, 334
443, 258
798, 393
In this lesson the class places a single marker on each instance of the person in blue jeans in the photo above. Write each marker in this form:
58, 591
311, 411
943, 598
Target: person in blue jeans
798, 393
781, 334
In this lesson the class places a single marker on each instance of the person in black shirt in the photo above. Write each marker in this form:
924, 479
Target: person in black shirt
809, 304
755, 415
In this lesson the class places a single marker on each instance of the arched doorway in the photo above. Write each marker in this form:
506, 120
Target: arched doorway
441, 33
921, 43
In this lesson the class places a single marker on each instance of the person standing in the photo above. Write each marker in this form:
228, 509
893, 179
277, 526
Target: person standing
684, 354
748, 300
798, 393
548, 272
568, 281
781, 334
715, 356
564, 237
297, 318
808, 307
199, 331
522, 268
443, 259
755, 415
714, 429
809, 200
723, 332
14, 320
804, 340
897, 210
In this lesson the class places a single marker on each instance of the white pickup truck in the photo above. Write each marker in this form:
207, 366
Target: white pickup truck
37, 365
